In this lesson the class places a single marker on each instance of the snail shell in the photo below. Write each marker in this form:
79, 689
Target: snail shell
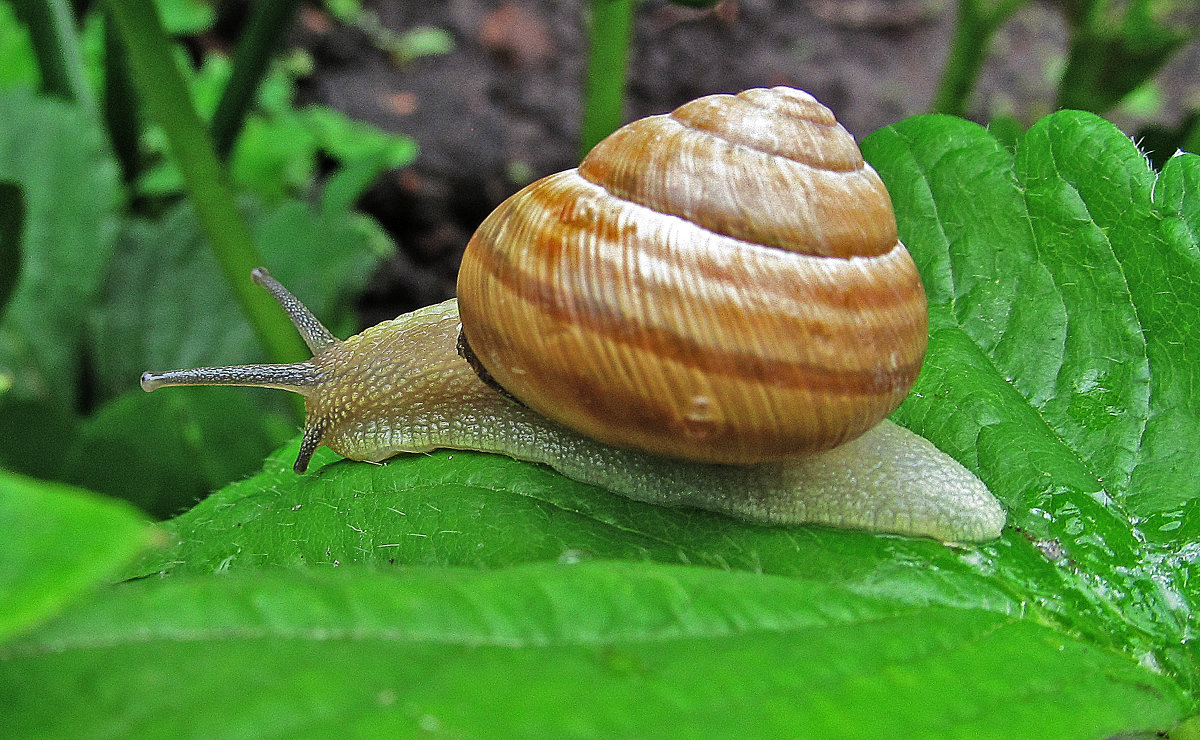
723, 283
664, 304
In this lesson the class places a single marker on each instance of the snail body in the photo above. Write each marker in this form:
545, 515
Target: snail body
695, 340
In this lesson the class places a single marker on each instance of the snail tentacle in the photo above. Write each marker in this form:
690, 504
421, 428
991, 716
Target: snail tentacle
314, 431
312, 331
298, 377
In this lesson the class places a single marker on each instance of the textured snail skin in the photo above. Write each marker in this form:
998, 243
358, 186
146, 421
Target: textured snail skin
401, 386
723, 284
713, 310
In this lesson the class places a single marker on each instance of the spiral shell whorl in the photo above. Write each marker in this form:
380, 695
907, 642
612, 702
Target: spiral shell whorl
770, 167
723, 283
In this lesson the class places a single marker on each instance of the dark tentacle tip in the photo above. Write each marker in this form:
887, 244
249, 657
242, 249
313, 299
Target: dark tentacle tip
313, 431
307, 447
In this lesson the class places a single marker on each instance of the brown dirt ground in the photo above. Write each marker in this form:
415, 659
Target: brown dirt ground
503, 107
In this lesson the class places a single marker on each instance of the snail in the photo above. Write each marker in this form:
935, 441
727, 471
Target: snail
713, 310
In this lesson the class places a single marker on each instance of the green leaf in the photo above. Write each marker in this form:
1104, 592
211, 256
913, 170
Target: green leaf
423, 41
274, 159
186, 17
343, 10
557, 650
365, 153
1060, 290
165, 454
35, 435
59, 159
456, 508
18, 65
59, 542
404, 46
277, 153
1117, 47
1064, 282
1007, 130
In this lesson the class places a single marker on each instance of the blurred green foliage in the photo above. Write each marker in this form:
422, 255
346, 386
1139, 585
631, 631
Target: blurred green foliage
402, 46
104, 275
1114, 50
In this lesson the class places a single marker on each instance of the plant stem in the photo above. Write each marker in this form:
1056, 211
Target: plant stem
1115, 48
609, 35
166, 97
269, 21
121, 113
1191, 141
56, 45
974, 31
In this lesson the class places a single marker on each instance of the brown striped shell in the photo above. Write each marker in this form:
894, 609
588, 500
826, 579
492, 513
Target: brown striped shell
723, 283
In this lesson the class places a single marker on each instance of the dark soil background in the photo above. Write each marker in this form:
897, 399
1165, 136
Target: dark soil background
503, 107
